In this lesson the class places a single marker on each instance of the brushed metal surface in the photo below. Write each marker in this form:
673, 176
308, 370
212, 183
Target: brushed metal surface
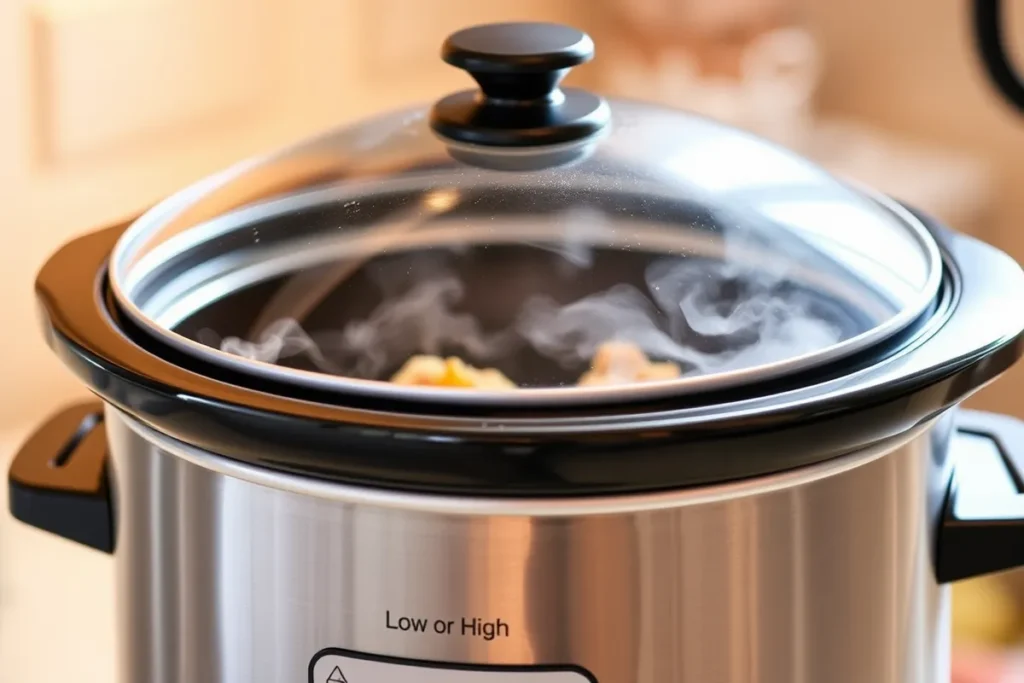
228, 573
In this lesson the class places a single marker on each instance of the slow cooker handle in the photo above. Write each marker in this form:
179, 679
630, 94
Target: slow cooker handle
58, 479
982, 529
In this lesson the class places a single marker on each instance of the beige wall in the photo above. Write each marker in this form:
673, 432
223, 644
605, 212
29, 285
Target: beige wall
908, 66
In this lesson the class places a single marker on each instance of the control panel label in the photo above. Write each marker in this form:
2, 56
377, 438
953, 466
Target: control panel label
344, 666
466, 627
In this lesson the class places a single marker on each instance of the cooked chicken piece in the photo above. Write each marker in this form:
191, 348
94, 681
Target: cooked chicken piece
433, 371
624, 363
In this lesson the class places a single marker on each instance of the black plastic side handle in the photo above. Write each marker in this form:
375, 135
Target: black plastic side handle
982, 530
58, 479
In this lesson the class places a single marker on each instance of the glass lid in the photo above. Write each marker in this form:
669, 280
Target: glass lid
525, 243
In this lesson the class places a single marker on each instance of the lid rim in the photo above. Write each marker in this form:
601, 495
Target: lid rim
549, 396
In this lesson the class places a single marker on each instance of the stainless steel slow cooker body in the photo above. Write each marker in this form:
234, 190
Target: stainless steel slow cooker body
232, 572
785, 511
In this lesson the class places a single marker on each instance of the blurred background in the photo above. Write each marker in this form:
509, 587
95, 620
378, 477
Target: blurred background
108, 105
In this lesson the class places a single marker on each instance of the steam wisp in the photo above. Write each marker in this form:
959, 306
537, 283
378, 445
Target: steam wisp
423, 320
706, 316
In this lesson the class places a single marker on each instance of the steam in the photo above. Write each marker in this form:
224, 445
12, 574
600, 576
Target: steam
578, 228
279, 340
706, 316
570, 334
423, 320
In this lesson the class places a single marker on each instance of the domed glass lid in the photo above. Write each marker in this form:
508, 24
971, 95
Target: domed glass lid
525, 243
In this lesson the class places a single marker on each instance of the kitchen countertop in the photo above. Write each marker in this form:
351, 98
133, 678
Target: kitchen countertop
56, 600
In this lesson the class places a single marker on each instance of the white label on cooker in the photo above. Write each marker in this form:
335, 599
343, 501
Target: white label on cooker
343, 666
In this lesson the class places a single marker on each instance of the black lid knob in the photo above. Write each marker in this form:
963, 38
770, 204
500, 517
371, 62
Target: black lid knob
519, 67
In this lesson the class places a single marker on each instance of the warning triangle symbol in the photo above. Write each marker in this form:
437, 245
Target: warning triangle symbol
336, 676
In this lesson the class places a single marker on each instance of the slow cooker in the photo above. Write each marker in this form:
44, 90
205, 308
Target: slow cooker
785, 500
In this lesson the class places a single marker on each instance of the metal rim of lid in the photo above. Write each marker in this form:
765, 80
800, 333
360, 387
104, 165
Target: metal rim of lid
524, 397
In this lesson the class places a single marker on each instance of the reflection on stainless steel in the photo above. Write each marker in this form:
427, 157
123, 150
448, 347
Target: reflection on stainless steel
233, 573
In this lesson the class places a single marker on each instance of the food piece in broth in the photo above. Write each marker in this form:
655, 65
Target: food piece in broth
433, 371
618, 362
613, 363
